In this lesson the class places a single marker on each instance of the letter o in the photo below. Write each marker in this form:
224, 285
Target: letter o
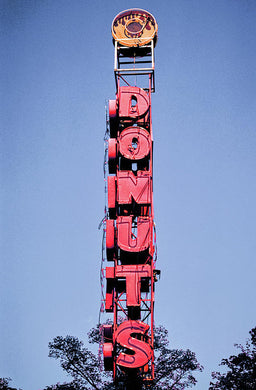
134, 143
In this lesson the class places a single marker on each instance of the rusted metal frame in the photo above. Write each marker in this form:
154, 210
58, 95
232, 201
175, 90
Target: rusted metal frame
121, 77
134, 72
155, 245
138, 62
120, 51
152, 318
138, 72
144, 318
144, 300
153, 54
134, 63
121, 308
147, 307
103, 222
114, 330
118, 298
127, 69
117, 80
119, 64
152, 205
121, 54
121, 300
115, 56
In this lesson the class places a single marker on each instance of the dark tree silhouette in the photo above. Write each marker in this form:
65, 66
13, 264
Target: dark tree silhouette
241, 374
77, 361
64, 386
174, 368
4, 384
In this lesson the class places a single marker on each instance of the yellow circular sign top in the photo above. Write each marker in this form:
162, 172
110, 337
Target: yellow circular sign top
134, 27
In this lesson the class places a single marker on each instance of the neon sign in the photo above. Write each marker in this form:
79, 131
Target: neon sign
129, 227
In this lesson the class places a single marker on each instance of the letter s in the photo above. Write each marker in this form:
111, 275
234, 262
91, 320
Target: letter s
141, 350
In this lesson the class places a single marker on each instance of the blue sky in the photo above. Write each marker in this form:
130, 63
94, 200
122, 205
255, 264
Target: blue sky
56, 74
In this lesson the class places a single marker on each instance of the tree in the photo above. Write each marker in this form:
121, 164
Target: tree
64, 386
242, 368
77, 361
4, 384
174, 368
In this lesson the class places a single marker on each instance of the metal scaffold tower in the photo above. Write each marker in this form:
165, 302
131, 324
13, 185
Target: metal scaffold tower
129, 247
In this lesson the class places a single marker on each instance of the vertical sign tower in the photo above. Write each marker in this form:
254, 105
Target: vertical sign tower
129, 234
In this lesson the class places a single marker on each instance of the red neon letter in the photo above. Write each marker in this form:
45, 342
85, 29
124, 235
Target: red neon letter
133, 102
130, 241
134, 143
133, 275
142, 351
137, 187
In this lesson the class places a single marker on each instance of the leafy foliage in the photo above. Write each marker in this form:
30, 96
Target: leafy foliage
174, 368
242, 368
65, 386
77, 361
4, 384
